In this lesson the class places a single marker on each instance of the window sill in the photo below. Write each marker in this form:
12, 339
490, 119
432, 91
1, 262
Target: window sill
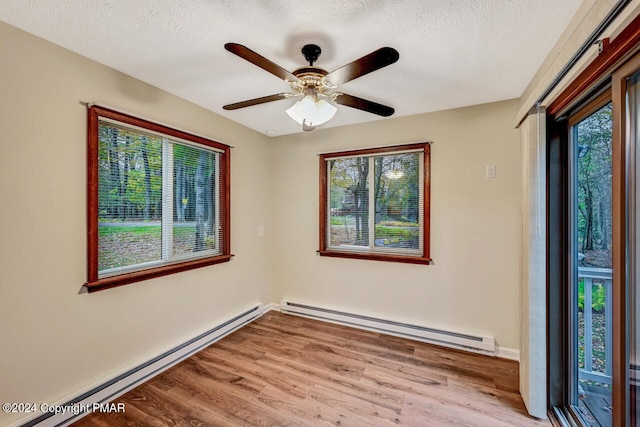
138, 276
377, 257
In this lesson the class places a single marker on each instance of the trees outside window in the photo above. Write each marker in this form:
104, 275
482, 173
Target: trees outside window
593, 138
375, 204
158, 200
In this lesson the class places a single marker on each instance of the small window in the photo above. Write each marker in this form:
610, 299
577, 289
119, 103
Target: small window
374, 204
158, 200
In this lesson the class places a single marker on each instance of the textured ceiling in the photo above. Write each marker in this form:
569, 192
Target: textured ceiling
453, 53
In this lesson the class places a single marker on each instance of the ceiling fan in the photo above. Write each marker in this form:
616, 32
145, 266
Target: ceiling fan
317, 86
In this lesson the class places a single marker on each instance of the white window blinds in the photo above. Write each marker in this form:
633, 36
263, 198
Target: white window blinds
158, 200
375, 203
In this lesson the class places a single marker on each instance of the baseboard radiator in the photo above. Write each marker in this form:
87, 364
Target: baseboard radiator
79, 406
477, 344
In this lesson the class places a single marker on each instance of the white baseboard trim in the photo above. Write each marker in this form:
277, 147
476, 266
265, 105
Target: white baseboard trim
508, 353
272, 306
72, 409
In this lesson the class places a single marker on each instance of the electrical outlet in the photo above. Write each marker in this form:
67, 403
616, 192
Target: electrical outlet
491, 171
261, 231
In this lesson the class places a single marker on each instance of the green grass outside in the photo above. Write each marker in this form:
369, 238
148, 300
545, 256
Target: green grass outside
151, 230
397, 233
129, 245
391, 231
339, 220
389, 223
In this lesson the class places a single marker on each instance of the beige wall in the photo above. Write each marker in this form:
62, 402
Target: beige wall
473, 286
55, 341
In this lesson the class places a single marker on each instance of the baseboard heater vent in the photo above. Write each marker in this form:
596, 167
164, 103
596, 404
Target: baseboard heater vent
477, 344
109, 390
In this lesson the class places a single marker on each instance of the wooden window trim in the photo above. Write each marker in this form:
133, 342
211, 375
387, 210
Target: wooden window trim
94, 283
426, 206
613, 53
590, 108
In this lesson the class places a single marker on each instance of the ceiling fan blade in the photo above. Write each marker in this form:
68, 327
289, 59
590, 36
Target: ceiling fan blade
363, 104
256, 101
259, 60
368, 63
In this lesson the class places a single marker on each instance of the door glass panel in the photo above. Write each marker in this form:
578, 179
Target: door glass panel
593, 278
633, 224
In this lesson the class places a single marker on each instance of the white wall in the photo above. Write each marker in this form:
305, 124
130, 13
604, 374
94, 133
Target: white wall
54, 340
473, 286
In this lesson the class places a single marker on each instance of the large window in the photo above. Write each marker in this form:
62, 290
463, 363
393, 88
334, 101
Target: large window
374, 204
158, 200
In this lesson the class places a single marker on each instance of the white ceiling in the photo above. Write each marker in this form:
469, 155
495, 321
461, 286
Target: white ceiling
453, 53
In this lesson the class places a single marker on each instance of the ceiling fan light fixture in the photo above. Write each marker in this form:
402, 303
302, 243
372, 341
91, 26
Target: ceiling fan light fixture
316, 85
312, 111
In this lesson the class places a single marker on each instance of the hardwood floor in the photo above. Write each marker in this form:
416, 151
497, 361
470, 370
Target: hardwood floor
284, 370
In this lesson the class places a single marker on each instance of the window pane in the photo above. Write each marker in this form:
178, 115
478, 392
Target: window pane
132, 200
396, 190
349, 202
129, 197
593, 146
194, 190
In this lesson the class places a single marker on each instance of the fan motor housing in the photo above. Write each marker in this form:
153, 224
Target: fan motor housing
310, 79
309, 71
311, 53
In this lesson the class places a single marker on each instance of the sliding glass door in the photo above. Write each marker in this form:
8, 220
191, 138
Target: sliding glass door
593, 213
591, 268
594, 278
630, 239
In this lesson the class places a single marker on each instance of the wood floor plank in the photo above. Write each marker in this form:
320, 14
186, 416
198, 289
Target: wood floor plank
294, 385
300, 412
330, 358
359, 408
385, 379
414, 369
285, 370
318, 375
201, 403
419, 412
